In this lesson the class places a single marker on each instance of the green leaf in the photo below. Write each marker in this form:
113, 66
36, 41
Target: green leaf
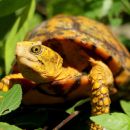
94, 9
125, 106
10, 100
126, 5
10, 6
10, 45
79, 103
17, 33
106, 7
113, 121
116, 9
74, 7
5, 126
125, 41
6, 24
115, 21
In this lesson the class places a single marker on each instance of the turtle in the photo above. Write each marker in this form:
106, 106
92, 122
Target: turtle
70, 58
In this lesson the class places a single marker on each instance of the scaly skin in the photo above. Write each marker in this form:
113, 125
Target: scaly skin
41, 64
7, 81
100, 100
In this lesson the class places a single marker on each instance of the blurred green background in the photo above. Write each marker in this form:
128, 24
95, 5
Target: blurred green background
18, 17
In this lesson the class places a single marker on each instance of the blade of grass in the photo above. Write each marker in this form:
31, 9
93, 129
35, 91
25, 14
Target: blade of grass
18, 33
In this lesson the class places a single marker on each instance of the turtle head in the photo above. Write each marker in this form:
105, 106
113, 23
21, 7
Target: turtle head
38, 62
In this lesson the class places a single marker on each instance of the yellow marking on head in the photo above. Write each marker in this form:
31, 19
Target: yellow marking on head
50, 61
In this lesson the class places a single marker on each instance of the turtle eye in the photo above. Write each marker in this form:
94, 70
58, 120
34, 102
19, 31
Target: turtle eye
36, 49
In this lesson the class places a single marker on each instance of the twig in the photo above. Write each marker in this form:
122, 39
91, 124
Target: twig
70, 117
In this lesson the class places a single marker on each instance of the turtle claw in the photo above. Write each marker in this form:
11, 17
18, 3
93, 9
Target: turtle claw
4, 84
4, 87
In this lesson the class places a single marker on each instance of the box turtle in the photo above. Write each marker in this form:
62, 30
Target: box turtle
70, 58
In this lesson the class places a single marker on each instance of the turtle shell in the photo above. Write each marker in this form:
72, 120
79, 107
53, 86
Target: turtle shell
76, 38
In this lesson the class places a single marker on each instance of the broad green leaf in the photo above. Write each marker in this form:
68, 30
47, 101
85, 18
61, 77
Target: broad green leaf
125, 106
10, 100
10, 6
10, 46
5, 126
17, 33
113, 121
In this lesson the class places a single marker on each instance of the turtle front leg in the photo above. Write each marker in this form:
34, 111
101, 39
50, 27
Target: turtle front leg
102, 79
7, 82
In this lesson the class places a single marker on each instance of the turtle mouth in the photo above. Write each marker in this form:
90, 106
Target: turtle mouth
34, 59
26, 61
